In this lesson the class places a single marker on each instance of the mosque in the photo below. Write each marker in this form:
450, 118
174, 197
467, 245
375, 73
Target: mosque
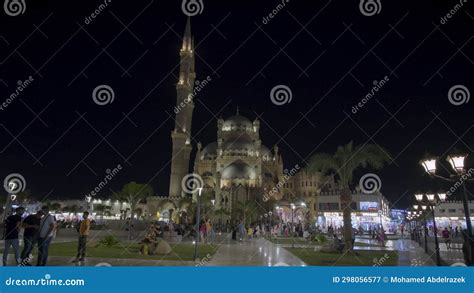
236, 168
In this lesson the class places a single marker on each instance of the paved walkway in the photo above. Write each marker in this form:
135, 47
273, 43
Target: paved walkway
450, 256
409, 252
261, 252
256, 252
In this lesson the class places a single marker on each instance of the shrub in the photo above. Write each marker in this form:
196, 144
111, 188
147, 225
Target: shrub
320, 239
108, 241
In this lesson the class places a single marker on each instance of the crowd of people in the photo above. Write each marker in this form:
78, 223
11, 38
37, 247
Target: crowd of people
39, 229
449, 235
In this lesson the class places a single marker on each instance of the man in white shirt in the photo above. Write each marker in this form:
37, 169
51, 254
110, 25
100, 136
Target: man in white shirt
46, 232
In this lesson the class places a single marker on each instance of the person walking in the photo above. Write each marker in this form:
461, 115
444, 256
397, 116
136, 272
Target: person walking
84, 229
46, 234
12, 230
208, 230
31, 225
447, 238
202, 232
234, 231
242, 231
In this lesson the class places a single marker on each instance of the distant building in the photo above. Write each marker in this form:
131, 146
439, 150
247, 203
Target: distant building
451, 214
368, 210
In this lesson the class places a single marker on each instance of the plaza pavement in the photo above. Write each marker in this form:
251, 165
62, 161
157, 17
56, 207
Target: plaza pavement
261, 252
256, 252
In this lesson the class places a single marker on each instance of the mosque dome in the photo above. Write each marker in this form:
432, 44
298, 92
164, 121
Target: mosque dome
265, 152
209, 152
239, 143
237, 122
239, 170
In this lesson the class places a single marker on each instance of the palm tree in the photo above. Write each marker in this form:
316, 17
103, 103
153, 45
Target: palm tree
133, 193
100, 208
207, 208
221, 214
186, 208
247, 210
343, 163
139, 212
55, 207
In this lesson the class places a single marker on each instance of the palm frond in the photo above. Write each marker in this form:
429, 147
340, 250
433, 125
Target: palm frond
322, 162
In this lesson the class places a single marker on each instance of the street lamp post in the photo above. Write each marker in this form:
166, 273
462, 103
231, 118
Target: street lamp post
431, 201
418, 224
292, 206
198, 220
435, 200
425, 228
457, 164
423, 213
417, 228
292, 223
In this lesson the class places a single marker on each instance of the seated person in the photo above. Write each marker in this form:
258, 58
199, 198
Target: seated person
338, 244
148, 245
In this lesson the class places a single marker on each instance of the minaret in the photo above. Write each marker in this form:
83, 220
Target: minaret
181, 134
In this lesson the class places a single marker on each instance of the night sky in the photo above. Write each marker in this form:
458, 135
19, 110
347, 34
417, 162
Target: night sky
327, 52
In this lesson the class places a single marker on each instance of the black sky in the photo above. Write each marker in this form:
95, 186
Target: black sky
245, 58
